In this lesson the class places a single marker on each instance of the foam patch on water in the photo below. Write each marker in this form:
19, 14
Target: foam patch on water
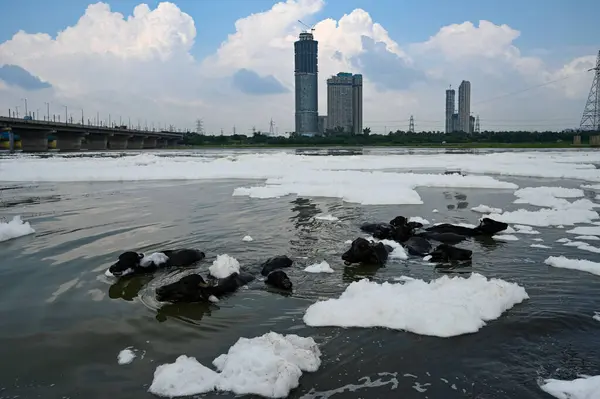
522, 229
585, 387
557, 210
584, 246
505, 237
590, 238
126, 356
443, 307
322, 267
270, 365
486, 209
418, 219
14, 229
540, 246
328, 218
538, 239
574, 264
596, 316
247, 239
586, 230
435, 211
224, 266
376, 188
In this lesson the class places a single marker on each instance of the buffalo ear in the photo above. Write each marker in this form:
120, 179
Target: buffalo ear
140, 255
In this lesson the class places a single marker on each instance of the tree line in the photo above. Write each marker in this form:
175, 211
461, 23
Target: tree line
392, 138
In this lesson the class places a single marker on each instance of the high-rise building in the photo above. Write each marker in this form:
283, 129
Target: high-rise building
357, 104
471, 124
464, 106
344, 102
322, 124
450, 108
306, 85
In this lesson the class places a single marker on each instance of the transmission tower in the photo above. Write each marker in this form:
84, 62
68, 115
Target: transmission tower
477, 128
199, 126
271, 128
590, 119
411, 125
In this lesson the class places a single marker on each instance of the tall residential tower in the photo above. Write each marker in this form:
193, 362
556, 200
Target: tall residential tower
307, 95
450, 107
464, 106
344, 102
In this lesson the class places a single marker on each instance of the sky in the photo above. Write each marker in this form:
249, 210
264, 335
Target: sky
230, 62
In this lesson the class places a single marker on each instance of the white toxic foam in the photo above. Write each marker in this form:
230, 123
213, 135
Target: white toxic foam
328, 218
505, 237
585, 387
486, 209
156, 258
322, 267
224, 266
590, 238
574, 264
270, 365
586, 230
522, 229
443, 307
539, 246
398, 251
247, 238
126, 356
418, 219
14, 229
557, 210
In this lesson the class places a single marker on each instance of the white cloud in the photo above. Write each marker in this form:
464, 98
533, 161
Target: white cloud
140, 66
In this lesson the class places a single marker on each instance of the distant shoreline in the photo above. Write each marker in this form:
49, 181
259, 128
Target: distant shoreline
449, 145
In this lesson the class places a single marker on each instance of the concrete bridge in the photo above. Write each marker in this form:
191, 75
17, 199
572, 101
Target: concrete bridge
70, 136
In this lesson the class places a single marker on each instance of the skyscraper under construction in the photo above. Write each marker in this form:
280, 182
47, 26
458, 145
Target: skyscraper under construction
306, 84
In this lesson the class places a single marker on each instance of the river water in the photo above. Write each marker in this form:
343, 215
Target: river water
62, 323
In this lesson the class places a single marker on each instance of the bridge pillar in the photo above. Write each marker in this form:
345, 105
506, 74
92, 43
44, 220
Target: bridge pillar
171, 142
11, 138
118, 142
161, 143
96, 142
34, 140
136, 143
149, 142
68, 141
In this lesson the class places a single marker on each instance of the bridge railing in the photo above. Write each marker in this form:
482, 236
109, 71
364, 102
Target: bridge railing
12, 122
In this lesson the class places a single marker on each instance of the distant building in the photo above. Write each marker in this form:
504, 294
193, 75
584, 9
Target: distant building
306, 85
322, 124
450, 108
344, 102
464, 106
454, 125
357, 104
471, 124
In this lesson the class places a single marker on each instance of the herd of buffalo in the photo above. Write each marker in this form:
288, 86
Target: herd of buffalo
435, 243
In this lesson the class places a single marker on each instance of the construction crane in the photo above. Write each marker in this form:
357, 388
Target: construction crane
311, 28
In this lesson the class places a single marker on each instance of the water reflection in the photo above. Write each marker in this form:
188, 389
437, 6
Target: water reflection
306, 211
360, 271
189, 312
128, 288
